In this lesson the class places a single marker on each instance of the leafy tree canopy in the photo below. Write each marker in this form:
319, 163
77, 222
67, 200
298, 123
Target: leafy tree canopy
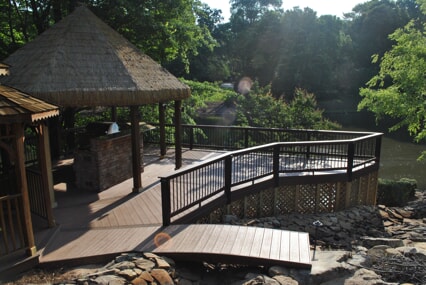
399, 88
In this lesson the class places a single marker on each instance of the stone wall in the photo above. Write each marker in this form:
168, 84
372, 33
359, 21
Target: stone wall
107, 162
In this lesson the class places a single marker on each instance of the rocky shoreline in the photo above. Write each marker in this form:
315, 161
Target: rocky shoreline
364, 245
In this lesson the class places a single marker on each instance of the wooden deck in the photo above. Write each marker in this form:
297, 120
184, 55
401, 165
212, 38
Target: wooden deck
96, 225
210, 243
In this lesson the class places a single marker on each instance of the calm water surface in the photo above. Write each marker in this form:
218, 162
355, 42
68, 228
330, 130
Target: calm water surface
399, 159
399, 155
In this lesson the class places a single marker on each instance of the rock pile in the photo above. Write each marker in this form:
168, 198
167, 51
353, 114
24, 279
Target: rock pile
129, 268
408, 223
338, 230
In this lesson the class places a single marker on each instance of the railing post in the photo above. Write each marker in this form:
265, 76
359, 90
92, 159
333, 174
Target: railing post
378, 148
228, 178
351, 153
246, 138
166, 201
276, 165
191, 137
308, 148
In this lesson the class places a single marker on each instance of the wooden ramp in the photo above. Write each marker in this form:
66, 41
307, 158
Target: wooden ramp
210, 243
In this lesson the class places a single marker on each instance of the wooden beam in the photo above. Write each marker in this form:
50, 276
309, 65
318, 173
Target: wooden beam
21, 178
162, 120
178, 134
45, 162
136, 149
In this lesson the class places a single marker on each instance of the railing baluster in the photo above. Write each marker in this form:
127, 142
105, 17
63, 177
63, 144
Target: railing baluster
228, 178
350, 159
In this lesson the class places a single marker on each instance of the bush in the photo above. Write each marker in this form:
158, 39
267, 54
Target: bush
396, 193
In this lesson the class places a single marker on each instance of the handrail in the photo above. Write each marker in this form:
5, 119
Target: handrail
12, 231
216, 177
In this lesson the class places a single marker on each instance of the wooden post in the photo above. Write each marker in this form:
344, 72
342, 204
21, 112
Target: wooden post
46, 172
136, 149
23, 189
178, 134
228, 178
162, 120
166, 201
276, 165
350, 157
114, 114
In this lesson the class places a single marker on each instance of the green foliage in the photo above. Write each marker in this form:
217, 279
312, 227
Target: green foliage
263, 110
399, 88
396, 193
305, 113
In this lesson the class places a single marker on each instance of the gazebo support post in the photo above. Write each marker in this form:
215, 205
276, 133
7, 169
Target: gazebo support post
21, 178
178, 134
46, 171
162, 120
136, 149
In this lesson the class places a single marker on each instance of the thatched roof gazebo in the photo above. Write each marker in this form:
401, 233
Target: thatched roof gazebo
81, 62
17, 111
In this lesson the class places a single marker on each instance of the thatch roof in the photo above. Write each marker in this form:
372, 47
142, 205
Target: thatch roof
81, 61
4, 69
17, 106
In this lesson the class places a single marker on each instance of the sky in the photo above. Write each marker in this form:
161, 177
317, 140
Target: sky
322, 7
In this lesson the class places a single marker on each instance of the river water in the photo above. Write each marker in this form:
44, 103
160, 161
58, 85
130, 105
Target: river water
398, 157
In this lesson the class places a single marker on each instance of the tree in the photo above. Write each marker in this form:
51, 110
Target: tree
398, 90
250, 11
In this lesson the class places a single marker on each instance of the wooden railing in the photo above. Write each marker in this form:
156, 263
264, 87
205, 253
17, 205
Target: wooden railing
36, 192
216, 179
11, 228
231, 137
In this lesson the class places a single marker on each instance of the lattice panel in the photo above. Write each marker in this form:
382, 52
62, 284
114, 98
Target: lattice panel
204, 220
354, 193
251, 206
216, 216
340, 196
237, 208
267, 203
285, 200
306, 198
326, 197
363, 190
372, 188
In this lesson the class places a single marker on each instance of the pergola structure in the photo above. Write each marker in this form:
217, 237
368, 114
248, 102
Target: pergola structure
19, 110
82, 62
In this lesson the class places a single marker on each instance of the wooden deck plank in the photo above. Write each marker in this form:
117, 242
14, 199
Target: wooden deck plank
184, 238
266, 244
294, 247
239, 239
220, 241
285, 245
275, 245
304, 246
257, 242
206, 234
227, 246
248, 241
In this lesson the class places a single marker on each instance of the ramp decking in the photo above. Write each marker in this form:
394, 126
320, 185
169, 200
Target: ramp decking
100, 225
210, 243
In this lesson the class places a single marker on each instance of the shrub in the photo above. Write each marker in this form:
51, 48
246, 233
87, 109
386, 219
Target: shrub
396, 193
